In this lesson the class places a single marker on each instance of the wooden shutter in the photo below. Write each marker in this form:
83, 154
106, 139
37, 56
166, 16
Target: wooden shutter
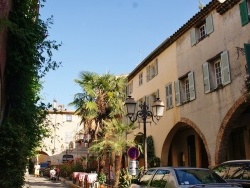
193, 36
148, 73
156, 67
177, 93
225, 71
209, 24
244, 13
206, 78
191, 85
247, 52
169, 97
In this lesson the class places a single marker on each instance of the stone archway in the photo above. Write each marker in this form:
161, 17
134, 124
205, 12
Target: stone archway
42, 156
222, 146
185, 125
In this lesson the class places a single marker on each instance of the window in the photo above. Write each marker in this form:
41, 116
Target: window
247, 52
69, 118
130, 88
152, 70
151, 98
184, 89
216, 72
159, 179
140, 78
169, 97
147, 177
245, 12
202, 30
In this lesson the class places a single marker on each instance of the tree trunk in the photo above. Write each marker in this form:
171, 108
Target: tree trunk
118, 160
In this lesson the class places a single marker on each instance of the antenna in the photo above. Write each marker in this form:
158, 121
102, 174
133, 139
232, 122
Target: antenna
201, 5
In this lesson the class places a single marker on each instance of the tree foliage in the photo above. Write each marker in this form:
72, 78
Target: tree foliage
101, 98
29, 58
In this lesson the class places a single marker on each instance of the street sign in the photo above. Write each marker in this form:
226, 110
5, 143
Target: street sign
133, 167
133, 153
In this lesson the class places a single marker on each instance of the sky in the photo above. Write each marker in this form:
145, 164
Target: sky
106, 36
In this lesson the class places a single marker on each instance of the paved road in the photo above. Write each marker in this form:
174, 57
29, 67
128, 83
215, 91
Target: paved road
42, 182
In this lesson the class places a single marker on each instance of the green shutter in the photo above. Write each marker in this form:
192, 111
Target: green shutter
247, 52
244, 13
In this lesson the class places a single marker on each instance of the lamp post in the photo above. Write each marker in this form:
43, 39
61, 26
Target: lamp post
144, 113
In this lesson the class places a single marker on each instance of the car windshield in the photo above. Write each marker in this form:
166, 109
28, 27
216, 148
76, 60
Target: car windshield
233, 171
197, 176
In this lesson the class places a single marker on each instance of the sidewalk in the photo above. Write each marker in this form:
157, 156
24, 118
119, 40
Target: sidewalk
42, 182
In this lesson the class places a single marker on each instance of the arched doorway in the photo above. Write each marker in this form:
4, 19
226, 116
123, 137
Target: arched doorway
234, 134
185, 145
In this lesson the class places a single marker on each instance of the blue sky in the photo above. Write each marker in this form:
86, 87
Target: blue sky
107, 36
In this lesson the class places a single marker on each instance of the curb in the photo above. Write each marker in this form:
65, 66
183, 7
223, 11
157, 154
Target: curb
70, 184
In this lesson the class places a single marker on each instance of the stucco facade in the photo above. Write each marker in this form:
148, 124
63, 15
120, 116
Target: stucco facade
200, 77
64, 127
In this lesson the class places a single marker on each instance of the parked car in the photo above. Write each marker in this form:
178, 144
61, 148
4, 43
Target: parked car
44, 169
237, 171
181, 177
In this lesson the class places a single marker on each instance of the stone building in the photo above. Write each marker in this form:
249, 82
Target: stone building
199, 72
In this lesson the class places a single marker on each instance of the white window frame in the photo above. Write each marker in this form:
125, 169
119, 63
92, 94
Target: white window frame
202, 31
68, 117
186, 89
217, 71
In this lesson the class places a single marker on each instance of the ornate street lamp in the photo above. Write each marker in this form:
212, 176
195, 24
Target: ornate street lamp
144, 114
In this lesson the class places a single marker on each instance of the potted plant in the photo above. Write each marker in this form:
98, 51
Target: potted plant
101, 178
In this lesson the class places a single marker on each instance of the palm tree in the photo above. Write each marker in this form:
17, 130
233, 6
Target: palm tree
102, 102
102, 98
115, 140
